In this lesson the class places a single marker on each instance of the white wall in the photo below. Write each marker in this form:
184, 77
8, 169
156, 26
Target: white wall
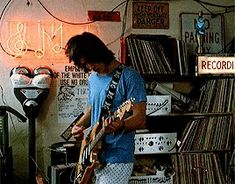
48, 129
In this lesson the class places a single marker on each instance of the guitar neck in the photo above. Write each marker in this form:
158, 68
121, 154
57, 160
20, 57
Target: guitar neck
101, 133
97, 138
86, 162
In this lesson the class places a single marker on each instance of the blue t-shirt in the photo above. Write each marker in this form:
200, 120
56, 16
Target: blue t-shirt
117, 148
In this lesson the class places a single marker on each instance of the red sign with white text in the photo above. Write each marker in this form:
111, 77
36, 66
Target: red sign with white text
113, 16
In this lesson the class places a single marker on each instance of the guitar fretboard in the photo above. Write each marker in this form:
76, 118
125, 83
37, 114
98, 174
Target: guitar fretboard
101, 133
97, 138
125, 107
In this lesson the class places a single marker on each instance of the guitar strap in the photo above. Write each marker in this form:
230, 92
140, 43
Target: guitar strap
66, 135
112, 90
104, 111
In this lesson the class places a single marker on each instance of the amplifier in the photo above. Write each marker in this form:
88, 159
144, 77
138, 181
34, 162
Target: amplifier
152, 179
149, 143
64, 152
63, 173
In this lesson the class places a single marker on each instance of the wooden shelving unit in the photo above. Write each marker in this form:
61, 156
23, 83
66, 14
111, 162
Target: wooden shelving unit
209, 164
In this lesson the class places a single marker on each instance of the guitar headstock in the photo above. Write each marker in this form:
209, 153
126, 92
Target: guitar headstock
125, 107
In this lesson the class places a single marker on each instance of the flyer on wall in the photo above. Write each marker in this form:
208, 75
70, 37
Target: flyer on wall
72, 91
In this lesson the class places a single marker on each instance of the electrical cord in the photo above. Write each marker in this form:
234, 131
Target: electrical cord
74, 23
123, 21
213, 15
206, 8
3, 11
90, 22
66, 22
116, 7
2, 95
216, 5
40, 170
227, 47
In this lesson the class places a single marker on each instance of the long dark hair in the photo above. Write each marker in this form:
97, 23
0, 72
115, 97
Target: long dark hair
89, 47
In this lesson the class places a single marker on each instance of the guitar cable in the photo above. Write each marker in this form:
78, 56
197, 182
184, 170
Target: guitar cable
75, 177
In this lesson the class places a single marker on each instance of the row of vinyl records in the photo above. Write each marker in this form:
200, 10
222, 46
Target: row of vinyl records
158, 54
198, 168
203, 139
212, 132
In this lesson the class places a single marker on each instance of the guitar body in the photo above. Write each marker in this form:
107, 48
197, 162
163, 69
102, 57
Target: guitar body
91, 161
87, 174
91, 145
39, 179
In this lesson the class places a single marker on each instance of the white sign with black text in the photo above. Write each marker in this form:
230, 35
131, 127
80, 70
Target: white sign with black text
214, 29
72, 93
158, 104
216, 65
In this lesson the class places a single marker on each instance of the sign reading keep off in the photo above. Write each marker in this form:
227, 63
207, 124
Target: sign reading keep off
150, 15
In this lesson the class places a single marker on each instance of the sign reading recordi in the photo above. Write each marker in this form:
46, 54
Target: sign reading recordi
216, 65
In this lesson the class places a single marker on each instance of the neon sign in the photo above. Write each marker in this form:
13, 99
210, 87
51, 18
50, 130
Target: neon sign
57, 48
45, 37
20, 47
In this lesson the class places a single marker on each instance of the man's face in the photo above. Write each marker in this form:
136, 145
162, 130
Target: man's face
82, 63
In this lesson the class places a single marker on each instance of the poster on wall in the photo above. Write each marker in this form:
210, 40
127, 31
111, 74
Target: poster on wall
150, 15
72, 91
214, 32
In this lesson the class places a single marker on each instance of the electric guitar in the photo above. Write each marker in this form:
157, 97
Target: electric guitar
91, 144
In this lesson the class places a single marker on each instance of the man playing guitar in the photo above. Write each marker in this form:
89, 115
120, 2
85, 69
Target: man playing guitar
116, 154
